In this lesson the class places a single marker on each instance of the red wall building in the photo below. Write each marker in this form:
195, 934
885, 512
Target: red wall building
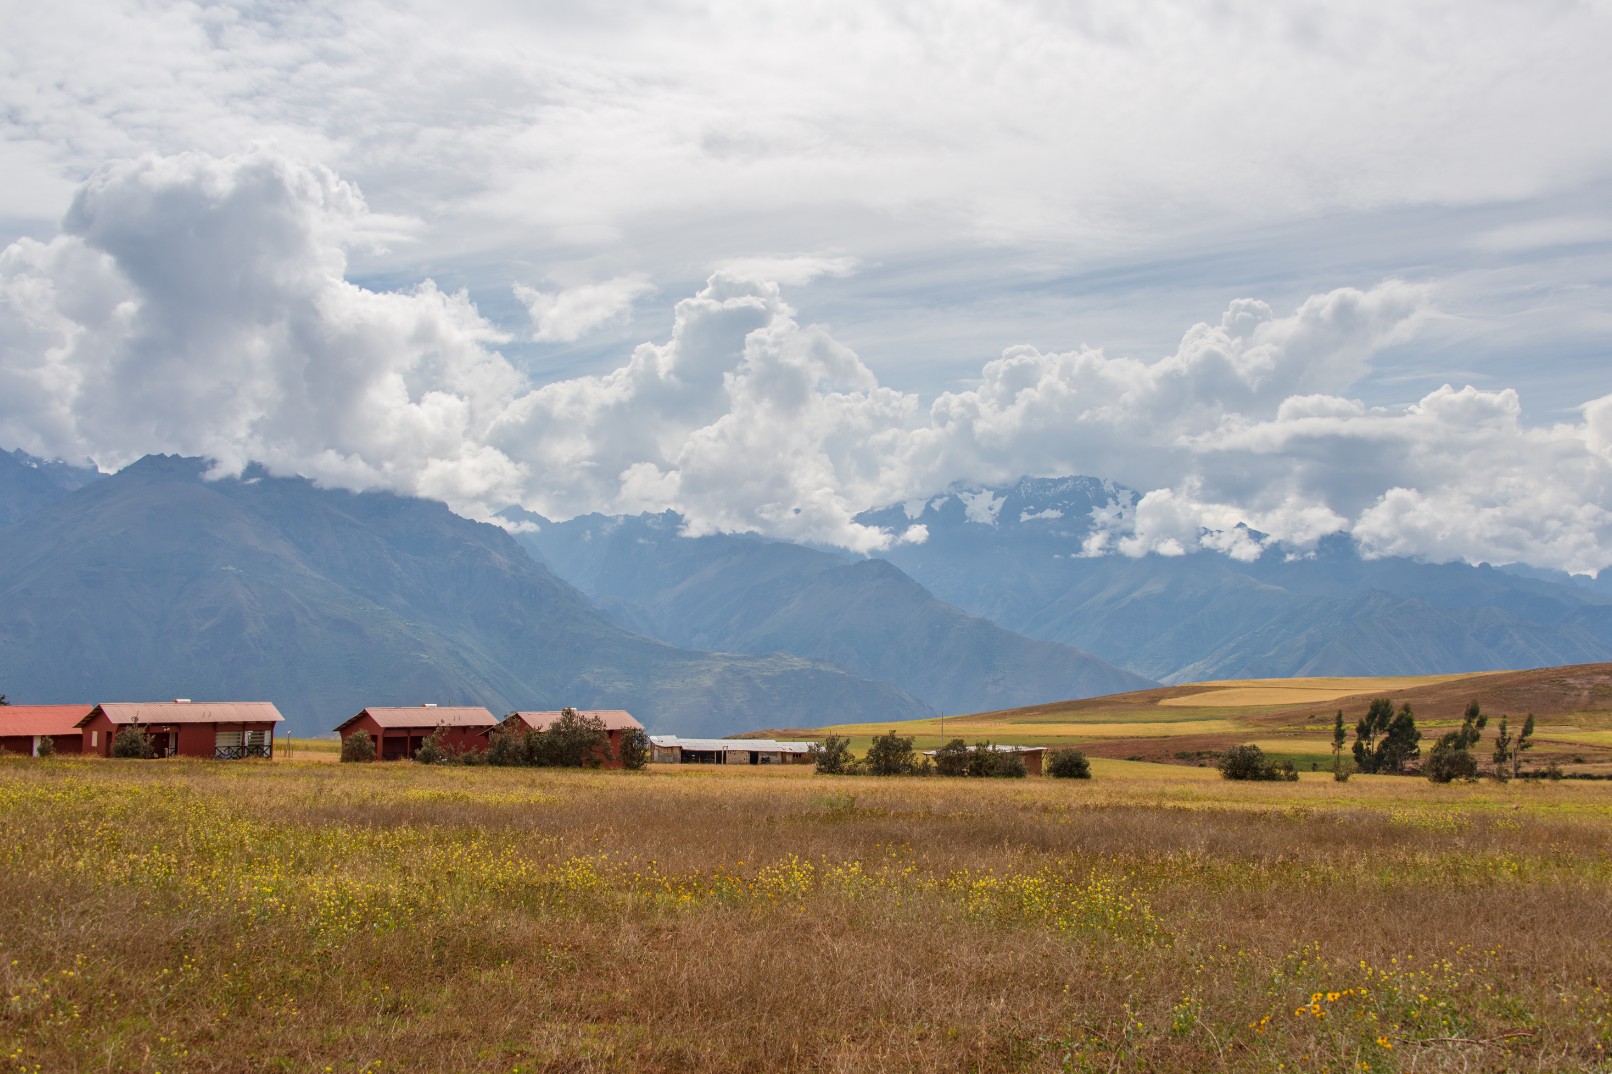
398, 732
616, 722
222, 730
22, 726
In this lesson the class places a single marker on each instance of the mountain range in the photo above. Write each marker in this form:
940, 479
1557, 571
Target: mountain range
156, 582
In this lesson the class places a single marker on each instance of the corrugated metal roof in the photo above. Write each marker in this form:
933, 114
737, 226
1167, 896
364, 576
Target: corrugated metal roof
730, 745
613, 719
428, 716
1000, 749
42, 719
154, 712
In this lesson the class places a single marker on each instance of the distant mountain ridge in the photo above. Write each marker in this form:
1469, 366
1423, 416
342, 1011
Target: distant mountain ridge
751, 594
28, 483
155, 583
1013, 554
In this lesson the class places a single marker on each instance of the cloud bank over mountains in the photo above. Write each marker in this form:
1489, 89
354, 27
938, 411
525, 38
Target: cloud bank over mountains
201, 305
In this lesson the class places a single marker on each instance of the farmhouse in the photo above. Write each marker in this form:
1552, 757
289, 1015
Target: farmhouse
617, 722
23, 726
670, 749
399, 732
224, 730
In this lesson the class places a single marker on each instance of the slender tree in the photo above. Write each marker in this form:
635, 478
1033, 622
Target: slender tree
1400, 743
1338, 737
1503, 751
1525, 741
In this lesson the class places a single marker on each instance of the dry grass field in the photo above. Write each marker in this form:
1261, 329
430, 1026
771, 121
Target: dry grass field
1288, 718
299, 916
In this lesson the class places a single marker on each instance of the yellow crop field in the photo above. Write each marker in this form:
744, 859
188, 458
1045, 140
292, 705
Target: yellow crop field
1285, 693
170, 917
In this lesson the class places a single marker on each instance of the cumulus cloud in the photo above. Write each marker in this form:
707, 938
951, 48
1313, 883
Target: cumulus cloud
201, 305
569, 314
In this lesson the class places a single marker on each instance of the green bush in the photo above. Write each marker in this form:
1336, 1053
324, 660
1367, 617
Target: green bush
1250, 762
47, 746
572, 740
891, 755
131, 741
832, 756
1068, 764
952, 758
358, 748
506, 746
634, 749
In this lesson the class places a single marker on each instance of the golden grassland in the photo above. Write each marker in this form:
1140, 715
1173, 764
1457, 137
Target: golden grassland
179, 916
1289, 718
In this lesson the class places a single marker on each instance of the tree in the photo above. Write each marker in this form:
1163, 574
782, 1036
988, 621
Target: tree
891, 755
131, 741
952, 758
1340, 768
358, 748
1068, 764
573, 740
832, 756
1503, 741
1525, 741
1400, 745
47, 746
634, 749
1372, 726
3, 700
1451, 757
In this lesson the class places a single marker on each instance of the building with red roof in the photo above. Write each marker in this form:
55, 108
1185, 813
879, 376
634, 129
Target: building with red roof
399, 732
222, 730
22, 727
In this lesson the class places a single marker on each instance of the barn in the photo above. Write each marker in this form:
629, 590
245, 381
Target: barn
616, 723
399, 732
671, 749
23, 726
221, 730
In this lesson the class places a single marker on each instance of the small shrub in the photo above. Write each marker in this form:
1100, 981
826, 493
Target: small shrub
1446, 765
1068, 764
635, 749
131, 741
1342, 768
1008, 766
358, 748
47, 746
833, 756
433, 750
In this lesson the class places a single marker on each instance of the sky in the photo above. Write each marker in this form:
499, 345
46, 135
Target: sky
1313, 267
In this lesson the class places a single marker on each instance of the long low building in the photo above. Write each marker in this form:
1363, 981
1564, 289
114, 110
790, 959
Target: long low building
670, 749
23, 728
616, 724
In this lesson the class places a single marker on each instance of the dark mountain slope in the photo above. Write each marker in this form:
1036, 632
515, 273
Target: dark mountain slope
755, 595
154, 583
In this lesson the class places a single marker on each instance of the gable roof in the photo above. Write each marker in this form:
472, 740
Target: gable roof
429, 716
42, 719
155, 712
730, 745
613, 719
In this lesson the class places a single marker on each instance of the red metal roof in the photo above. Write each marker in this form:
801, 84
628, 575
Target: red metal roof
427, 716
42, 719
164, 712
613, 719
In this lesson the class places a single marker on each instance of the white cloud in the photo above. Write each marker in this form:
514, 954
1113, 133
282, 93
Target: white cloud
569, 314
200, 305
